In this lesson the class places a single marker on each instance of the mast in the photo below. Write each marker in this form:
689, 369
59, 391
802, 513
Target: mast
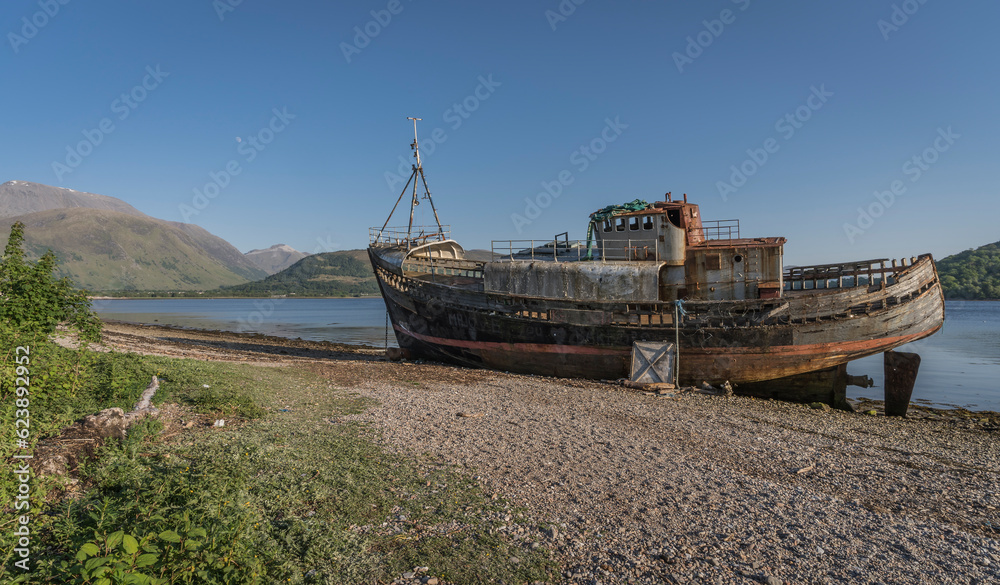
417, 175
418, 169
413, 200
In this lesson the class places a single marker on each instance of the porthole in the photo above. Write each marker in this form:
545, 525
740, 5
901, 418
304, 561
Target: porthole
737, 258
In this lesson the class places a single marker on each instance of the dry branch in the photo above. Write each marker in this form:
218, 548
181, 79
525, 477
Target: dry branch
81, 440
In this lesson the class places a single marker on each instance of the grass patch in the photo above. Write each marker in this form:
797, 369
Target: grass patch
294, 496
212, 387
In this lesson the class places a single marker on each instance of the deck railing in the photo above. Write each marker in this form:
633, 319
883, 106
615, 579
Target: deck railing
407, 237
719, 229
847, 274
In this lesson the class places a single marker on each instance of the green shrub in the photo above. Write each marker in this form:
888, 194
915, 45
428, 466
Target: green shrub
33, 299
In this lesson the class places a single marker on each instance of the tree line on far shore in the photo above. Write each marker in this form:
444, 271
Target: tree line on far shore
330, 274
972, 274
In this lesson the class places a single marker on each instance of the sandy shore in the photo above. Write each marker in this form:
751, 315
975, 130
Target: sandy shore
632, 488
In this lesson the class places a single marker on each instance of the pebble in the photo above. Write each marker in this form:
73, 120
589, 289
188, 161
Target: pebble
701, 484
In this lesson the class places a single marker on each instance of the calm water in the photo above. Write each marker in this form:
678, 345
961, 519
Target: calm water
960, 365
354, 321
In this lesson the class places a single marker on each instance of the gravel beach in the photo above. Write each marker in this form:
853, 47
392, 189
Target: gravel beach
627, 487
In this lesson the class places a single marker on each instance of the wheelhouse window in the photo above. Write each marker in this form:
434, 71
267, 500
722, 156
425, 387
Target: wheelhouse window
620, 224
674, 216
647, 222
607, 225
633, 223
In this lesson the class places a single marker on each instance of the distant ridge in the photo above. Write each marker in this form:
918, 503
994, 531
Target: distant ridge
334, 274
276, 258
972, 274
22, 198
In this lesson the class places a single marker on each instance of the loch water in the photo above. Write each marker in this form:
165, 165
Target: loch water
355, 321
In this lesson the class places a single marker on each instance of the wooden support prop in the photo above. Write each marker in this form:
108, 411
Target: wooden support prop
900, 374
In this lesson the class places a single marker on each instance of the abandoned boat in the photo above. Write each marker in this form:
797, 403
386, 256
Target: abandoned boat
646, 273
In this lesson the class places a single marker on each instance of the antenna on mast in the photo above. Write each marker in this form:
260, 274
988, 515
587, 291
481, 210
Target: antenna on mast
415, 146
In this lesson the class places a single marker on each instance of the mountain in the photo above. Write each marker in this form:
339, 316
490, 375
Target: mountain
22, 198
276, 258
972, 274
333, 274
106, 244
108, 250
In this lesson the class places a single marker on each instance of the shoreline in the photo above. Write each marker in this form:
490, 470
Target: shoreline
218, 345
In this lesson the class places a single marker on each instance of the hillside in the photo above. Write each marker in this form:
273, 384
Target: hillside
276, 258
21, 198
972, 274
110, 250
343, 273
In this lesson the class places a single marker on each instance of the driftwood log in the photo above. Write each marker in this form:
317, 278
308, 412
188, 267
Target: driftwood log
79, 441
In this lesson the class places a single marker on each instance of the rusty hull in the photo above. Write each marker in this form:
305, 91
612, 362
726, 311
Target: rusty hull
740, 341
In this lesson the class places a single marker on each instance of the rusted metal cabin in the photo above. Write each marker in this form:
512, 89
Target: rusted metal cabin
697, 260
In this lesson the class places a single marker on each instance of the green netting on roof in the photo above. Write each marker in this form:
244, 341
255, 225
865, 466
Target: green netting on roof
607, 212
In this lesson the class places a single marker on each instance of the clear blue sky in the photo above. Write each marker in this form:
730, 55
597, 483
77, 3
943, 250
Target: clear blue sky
890, 92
